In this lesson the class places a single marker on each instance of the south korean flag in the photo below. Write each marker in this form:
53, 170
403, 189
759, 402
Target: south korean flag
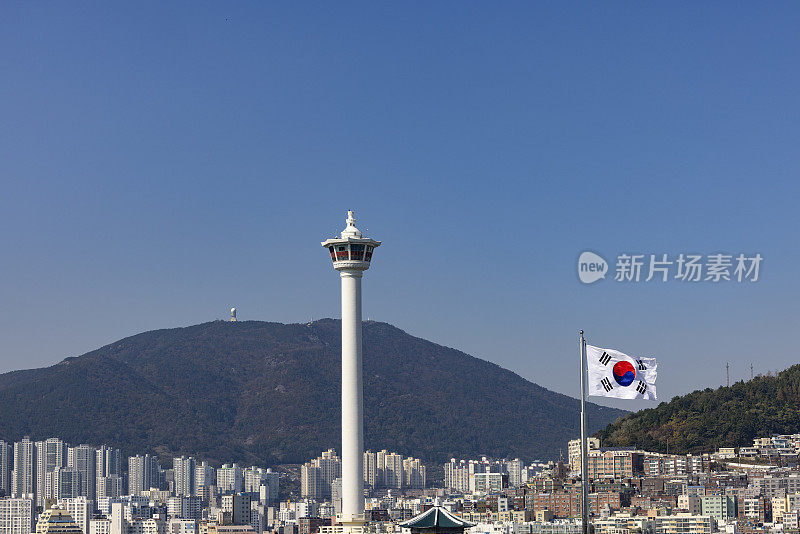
614, 374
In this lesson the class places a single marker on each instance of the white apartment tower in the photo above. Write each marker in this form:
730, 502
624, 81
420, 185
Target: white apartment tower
457, 475
23, 483
351, 254
254, 478
370, 470
50, 454
414, 473
331, 469
514, 469
184, 471
230, 478
205, 477
108, 461
392, 470
311, 481
143, 473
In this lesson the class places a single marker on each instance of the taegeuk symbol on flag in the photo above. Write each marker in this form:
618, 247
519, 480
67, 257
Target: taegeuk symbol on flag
614, 374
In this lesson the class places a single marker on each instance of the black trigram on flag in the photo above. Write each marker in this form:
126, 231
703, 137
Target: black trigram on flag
642, 366
642, 387
606, 383
605, 358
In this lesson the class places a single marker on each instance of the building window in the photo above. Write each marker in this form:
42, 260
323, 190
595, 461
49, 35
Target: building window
341, 253
368, 253
357, 252
333, 253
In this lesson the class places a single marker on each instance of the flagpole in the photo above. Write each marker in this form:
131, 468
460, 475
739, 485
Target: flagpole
584, 455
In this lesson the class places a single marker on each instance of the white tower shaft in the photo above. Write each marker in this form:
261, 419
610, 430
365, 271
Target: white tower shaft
352, 399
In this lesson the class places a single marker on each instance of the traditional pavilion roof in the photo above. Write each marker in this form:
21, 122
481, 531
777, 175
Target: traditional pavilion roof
436, 517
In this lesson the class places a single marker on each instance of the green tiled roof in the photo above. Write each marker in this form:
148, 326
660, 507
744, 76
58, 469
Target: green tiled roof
436, 517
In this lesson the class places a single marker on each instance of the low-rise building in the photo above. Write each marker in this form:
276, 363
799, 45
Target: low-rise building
619, 523
684, 524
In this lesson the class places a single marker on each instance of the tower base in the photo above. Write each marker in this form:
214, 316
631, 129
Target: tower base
350, 527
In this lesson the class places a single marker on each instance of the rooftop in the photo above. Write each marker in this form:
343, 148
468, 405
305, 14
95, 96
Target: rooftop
436, 517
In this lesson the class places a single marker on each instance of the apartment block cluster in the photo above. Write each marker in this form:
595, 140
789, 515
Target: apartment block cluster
92, 489
634, 491
773, 447
383, 470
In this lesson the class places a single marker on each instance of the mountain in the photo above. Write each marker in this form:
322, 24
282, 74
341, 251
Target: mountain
707, 419
270, 393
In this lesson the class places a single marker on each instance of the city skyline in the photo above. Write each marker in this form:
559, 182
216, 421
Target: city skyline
581, 315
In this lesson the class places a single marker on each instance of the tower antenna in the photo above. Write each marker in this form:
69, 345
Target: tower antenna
727, 376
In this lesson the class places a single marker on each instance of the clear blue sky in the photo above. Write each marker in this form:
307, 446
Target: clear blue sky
162, 162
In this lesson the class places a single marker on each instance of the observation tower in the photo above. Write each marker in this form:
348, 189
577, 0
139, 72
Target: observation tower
351, 254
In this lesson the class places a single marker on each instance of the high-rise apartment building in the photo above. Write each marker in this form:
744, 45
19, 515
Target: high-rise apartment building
414, 473
272, 480
108, 462
456, 475
5, 468
62, 483
238, 506
205, 477
188, 507
380, 467
320, 474
254, 478
392, 470
370, 470
143, 473
83, 458
488, 483
109, 486
311, 481
23, 483
184, 473
514, 468
230, 478
50, 454
330, 469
